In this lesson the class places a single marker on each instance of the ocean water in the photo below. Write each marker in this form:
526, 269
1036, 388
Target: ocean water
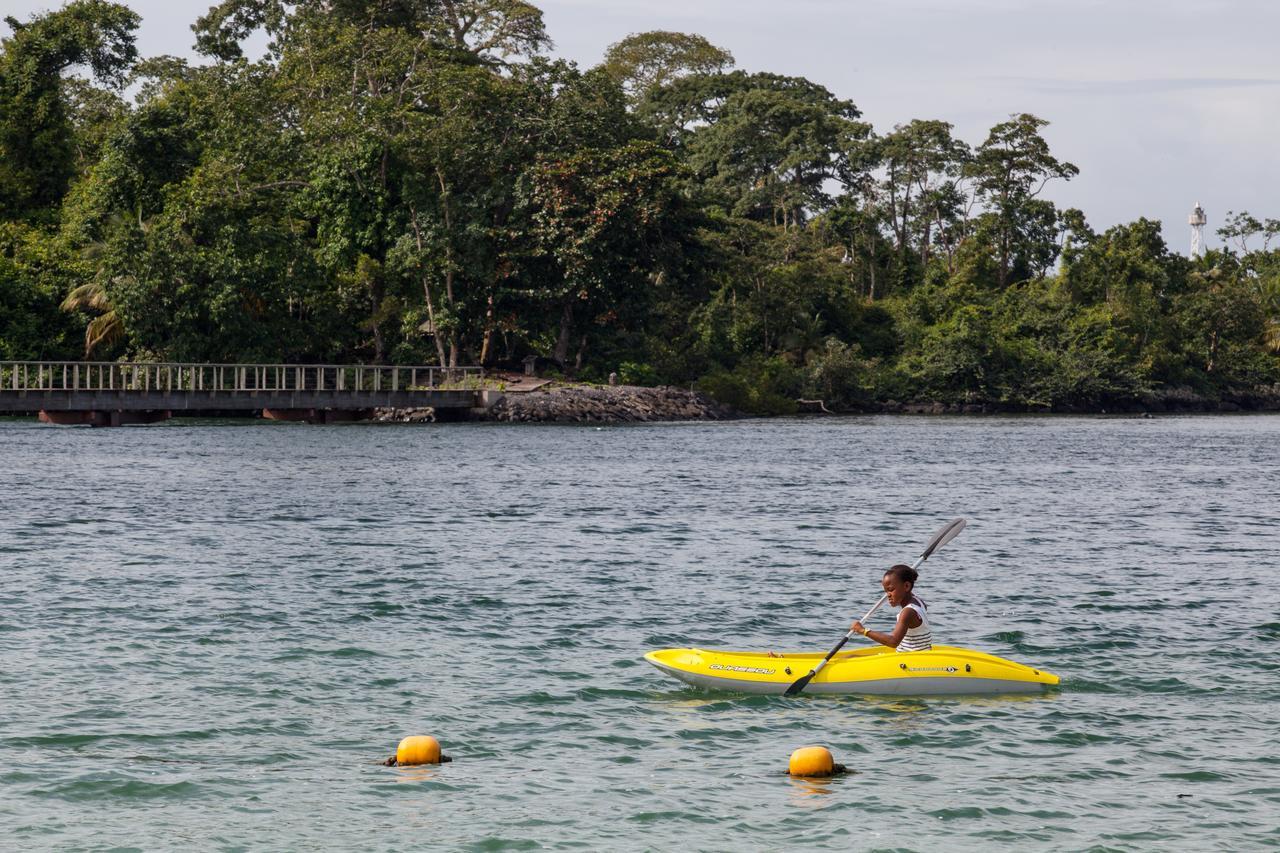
212, 633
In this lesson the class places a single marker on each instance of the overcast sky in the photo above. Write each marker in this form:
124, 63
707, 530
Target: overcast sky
1161, 103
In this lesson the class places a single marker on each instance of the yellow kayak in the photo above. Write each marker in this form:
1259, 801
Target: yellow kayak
878, 670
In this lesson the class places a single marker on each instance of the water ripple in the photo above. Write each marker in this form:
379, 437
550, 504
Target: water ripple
213, 634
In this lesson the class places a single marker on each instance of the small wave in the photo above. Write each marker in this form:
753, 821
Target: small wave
625, 740
77, 740
1268, 631
965, 812
486, 603
1197, 776
343, 653
540, 698
1080, 738
662, 817
84, 790
503, 844
382, 608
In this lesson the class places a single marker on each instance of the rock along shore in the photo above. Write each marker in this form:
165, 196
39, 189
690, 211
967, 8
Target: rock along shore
606, 404
568, 404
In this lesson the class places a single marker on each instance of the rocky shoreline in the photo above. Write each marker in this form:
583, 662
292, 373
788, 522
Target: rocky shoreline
607, 404
585, 404
558, 403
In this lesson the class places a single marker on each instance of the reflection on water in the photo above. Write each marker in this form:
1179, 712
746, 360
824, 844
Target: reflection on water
418, 773
804, 791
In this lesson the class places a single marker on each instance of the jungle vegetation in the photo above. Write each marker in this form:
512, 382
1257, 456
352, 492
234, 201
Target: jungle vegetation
422, 181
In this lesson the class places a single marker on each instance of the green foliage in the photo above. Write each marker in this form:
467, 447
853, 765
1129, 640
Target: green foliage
403, 181
632, 373
762, 146
37, 137
921, 192
491, 29
1009, 170
839, 375
36, 272
758, 386
599, 218
644, 61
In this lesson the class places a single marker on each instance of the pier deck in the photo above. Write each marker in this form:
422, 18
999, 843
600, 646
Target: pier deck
109, 393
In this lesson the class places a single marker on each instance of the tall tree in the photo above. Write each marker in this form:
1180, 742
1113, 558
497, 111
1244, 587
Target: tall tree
37, 139
490, 29
644, 61
495, 29
1259, 266
1244, 226
761, 145
1009, 170
601, 217
923, 164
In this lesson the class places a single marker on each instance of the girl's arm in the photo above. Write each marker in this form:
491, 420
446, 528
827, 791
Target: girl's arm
907, 618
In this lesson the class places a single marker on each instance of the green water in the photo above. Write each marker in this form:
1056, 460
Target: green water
212, 634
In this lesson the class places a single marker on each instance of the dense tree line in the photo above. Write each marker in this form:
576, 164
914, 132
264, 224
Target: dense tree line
418, 181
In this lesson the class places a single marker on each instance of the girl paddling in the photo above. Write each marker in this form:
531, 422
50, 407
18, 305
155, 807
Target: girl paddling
911, 632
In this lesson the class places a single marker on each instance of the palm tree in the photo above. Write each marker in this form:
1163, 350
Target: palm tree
104, 329
1271, 334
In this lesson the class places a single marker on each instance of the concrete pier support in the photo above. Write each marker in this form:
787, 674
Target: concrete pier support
318, 416
108, 418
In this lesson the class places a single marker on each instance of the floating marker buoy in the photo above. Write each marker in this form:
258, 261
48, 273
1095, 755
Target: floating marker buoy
813, 761
418, 749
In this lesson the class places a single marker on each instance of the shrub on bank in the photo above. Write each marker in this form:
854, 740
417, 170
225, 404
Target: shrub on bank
762, 386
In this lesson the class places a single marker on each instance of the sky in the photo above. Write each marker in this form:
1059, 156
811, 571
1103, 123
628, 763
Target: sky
1160, 103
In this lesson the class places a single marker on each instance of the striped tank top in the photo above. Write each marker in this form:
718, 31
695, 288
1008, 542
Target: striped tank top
918, 639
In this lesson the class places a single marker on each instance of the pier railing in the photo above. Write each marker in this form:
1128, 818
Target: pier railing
166, 377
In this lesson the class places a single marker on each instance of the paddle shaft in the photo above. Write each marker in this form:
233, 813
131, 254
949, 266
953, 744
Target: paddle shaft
849, 636
840, 645
942, 537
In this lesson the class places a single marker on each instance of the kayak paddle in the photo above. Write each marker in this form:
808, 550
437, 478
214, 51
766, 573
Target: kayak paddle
948, 532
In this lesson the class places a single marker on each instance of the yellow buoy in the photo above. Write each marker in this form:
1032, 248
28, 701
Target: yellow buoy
418, 749
811, 761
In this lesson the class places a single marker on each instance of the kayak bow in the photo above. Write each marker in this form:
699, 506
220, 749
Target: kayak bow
945, 670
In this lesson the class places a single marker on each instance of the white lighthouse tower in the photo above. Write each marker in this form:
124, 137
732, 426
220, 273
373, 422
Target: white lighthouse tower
1197, 222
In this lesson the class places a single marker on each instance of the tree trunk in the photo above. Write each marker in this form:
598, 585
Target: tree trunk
1004, 260
946, 245
379, 345
431, 315
582, 352
486, 345
448, 261
566, 330
426, 290
871, 265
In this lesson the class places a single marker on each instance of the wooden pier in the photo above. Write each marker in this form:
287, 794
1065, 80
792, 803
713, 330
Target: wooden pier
114, 393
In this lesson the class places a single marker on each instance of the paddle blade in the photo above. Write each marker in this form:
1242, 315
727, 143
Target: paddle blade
948, 532
801, 684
